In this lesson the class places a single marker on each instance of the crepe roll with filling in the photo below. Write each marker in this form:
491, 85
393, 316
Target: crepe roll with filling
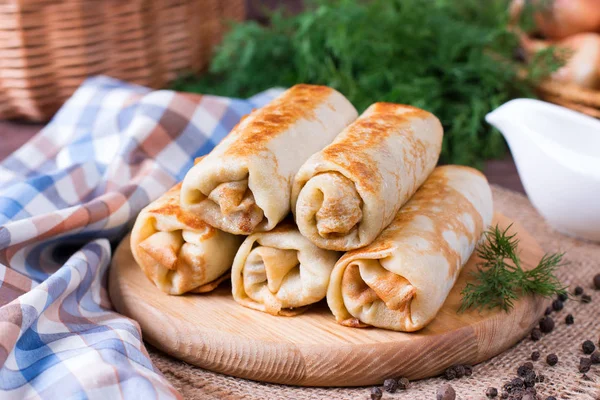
177, 250
244, 184
347, 193
280, 272
402, 279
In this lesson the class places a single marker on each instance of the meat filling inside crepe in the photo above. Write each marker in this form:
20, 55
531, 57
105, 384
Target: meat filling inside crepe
344, 195
280, 272
178, 251
244, 184
401, 280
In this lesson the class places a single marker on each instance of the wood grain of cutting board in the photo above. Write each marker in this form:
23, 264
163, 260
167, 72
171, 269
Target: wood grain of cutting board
213, 332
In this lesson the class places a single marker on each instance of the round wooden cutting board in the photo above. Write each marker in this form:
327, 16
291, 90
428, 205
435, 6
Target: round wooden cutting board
213, 332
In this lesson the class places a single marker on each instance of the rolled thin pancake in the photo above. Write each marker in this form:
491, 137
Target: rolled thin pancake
402, 279
347, 193
244, 184
280, 272
178, 251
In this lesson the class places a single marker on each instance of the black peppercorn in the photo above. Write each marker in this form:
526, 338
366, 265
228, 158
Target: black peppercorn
557, 305
588, 347
536, 334
546, 324
403, 383
597, 281
529, 378
586, 298
517, 383
535, 355
460, 371
548, 311
390, 385
550, 398
449, 373
446, 392
578, 291
552, 359
522, 371
468, 370
563, 297
376, 393
569, 319
504, 395
585, 364
491, 392
595, 357
528, 365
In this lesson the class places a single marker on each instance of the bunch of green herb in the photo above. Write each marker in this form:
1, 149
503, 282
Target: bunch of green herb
450, 57
500, 279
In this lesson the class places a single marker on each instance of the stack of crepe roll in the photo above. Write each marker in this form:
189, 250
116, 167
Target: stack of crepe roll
305, 200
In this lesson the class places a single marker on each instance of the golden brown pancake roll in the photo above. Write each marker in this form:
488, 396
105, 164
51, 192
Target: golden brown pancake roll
402, 279
347, 193
244, 184
280, 272
178, 251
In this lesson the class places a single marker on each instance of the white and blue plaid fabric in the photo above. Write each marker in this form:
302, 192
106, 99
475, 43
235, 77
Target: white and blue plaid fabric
65, 197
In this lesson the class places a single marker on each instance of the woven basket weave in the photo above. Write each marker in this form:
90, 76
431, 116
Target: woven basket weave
574, 97
48, 47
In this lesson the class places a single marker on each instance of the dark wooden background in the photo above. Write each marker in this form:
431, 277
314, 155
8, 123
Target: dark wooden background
15, 133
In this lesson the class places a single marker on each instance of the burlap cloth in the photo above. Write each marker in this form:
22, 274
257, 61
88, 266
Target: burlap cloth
562, 381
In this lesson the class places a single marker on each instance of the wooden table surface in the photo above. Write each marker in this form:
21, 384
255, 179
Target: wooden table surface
14, 134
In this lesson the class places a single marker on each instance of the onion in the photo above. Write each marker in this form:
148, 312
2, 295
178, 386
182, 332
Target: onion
568, 17
583, 63
562, 18
583, 66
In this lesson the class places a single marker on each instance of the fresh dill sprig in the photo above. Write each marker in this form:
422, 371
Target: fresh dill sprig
500, 280
548, 59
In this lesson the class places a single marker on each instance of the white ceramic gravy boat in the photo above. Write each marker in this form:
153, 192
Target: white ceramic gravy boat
557, 153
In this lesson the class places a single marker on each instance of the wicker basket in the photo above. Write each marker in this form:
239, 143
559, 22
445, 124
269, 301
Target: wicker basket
567, 95
574, 97
48, 47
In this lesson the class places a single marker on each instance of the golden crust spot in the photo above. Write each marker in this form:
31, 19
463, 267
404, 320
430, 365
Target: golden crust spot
383, 107
268, 122
368, 131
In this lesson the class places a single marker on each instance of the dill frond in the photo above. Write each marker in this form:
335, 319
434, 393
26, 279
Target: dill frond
500, 280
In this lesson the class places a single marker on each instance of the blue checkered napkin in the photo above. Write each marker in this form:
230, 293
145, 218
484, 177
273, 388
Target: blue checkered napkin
64, 196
